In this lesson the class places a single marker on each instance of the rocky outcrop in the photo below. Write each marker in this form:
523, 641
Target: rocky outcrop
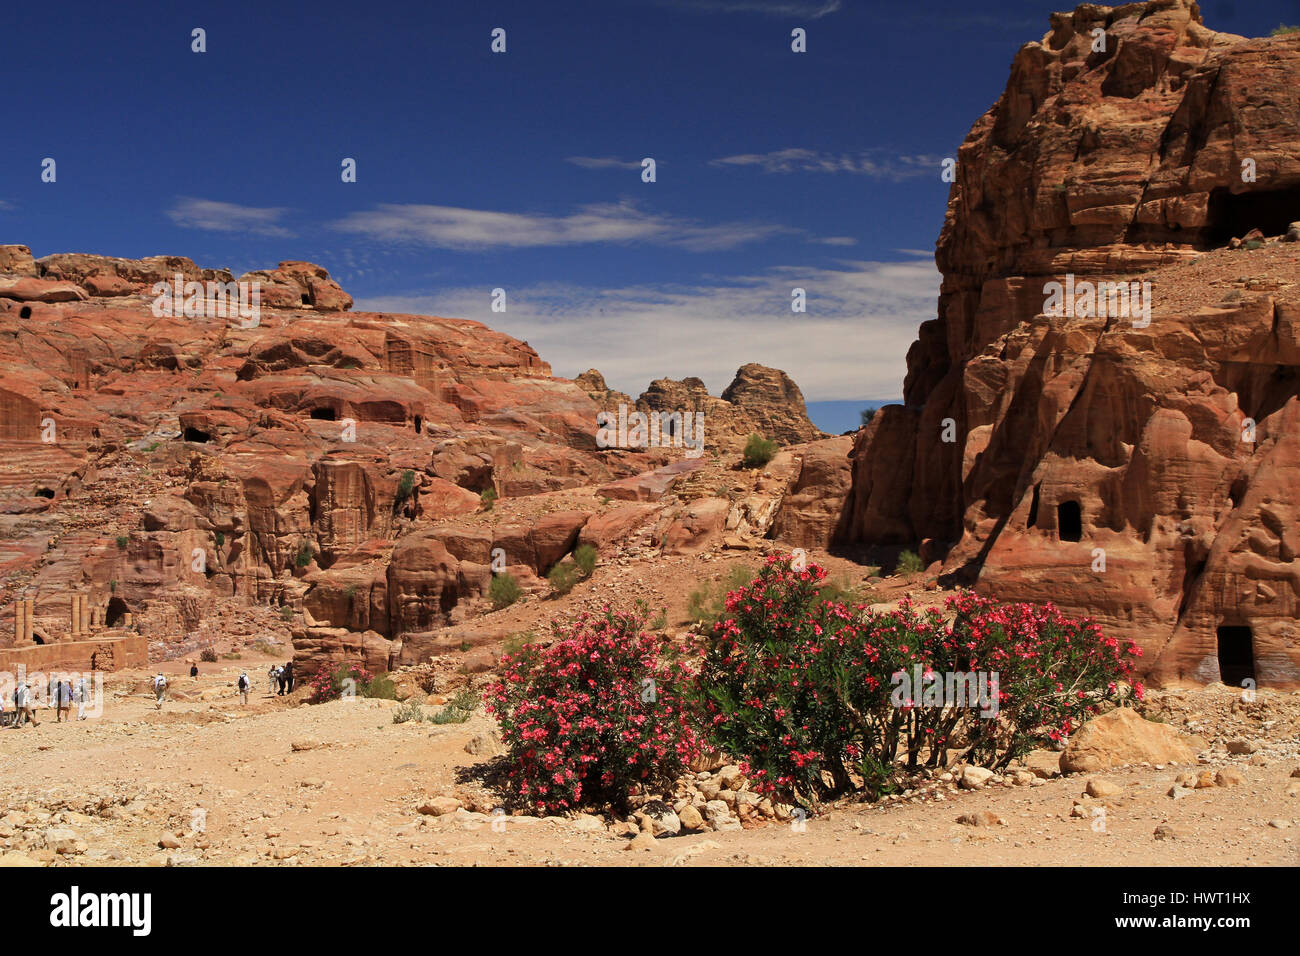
1140, 473
772, 401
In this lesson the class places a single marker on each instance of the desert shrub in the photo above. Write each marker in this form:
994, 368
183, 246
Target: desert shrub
286, 613
592, 716
504, 591
488, 498
842, 591
909, 562
867, 414
758, 451
706, 604
220, 538
458, 710
303, 557
810, 694
1282, 29
405, 485
514, 643
584, 556
563, 577
263, 646
409, 712
208, 655
122, 542
1254, 244
381, 686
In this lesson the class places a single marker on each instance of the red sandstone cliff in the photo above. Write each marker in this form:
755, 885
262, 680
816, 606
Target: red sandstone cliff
1072, 434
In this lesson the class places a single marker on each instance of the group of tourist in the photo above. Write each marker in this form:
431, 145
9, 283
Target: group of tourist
61, 695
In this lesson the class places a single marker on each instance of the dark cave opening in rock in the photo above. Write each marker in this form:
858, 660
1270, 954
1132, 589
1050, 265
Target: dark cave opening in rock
1231, 216
116, 612
196, 435
1236, 654
25, 312
324, 414
1069, 521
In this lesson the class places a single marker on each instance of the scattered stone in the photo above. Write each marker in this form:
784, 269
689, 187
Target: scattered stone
980, 818
1102, 788
974, 778
439, 806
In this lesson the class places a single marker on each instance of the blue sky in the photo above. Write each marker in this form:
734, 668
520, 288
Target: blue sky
522, 170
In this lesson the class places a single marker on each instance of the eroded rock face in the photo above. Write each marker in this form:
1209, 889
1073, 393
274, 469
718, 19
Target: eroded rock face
324, 470
1142, 474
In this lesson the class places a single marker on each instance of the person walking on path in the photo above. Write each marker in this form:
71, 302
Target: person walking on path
83, 695
243, 688
159, 689
63, 700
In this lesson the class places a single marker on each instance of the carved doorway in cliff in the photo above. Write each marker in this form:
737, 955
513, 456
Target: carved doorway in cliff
1231, 216
116, 612
1236, 654
1069, 521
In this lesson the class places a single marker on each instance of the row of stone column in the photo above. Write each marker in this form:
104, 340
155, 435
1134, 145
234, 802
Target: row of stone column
84, 618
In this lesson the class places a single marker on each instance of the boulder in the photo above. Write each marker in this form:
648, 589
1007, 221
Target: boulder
1123, 737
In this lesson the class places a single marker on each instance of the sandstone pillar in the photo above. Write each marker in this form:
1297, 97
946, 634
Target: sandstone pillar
127, 618
29, 612
85, 614
20, 621
75, 630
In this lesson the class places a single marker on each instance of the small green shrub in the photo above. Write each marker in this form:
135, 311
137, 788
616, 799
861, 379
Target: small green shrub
408, 712
516, 642
563, 577
458, 710
405, 485
286, 613
585, 558
909, 562
504, 591
867, 415
122, 542
219, 538
304, 555
1282, 29
381, 686
488, 498
758, 451
706, 604
263, 646
1254, 244
208, 655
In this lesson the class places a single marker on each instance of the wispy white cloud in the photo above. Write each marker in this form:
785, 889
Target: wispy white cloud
451, 227
603, 162
873, 163
809, 9
852, 341
217, 216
